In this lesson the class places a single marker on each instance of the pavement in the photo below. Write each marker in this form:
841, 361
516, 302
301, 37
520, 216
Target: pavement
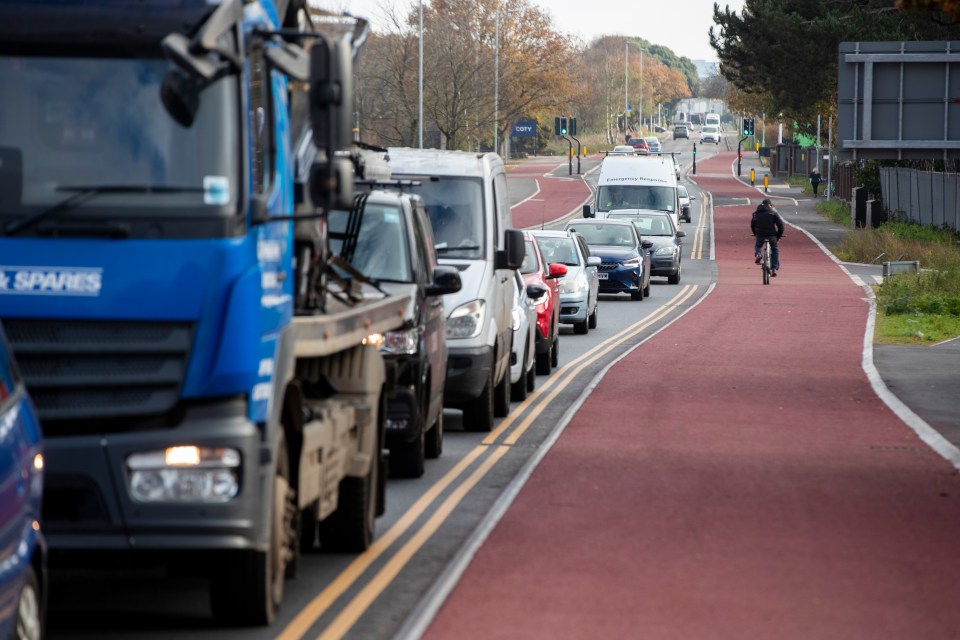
744, 473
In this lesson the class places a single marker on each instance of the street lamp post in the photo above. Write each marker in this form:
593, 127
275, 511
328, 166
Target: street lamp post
420, 84
496, 84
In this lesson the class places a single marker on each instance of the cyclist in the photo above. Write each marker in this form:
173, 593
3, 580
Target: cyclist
766, 224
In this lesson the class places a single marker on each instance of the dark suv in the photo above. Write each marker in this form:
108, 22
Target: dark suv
393, 246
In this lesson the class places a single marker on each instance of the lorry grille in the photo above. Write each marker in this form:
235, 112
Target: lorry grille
100, 370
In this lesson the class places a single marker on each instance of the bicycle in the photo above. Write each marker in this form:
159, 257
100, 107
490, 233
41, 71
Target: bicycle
765, 260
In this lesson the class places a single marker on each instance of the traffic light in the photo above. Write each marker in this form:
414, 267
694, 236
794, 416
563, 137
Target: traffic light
560, 126
572, 122
748, 126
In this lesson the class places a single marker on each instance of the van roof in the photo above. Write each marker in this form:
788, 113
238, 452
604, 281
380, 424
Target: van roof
637, 170
441, 162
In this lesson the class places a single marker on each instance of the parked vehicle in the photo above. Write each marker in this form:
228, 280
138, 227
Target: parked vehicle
523, 374
625, 259
710, 133
394, 248
579, 289
466, 198
23, 548
646, 183
685, 200
207, 397
666, 253
536, 271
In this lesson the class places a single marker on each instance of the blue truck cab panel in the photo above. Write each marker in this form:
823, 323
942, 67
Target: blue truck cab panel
23, 579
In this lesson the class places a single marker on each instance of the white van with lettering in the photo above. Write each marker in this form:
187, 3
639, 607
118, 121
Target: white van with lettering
636, 183
466, 198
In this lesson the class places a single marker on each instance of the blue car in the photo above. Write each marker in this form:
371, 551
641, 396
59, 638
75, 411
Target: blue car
625, 259
23, 550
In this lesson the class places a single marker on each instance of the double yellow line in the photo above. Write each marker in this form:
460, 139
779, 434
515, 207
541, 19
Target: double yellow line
699, 234
532, 407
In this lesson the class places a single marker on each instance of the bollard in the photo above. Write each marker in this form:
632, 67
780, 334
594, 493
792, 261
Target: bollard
766, 184
753, 175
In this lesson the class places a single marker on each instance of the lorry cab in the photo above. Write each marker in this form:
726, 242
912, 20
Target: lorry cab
636, 184
466, 199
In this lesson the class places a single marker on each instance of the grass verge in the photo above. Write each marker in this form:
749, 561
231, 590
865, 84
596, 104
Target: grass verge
921, 308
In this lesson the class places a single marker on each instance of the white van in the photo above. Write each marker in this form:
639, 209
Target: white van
466, 198
636, 183
712, 118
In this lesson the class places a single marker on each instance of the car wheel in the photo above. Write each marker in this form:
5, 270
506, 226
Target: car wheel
29, 613
581, 328
543, 363
636, 295
555, 352
531, 378
501, 398
518, 390
478, 413
646, 290
435, 438
592, 320
675, 278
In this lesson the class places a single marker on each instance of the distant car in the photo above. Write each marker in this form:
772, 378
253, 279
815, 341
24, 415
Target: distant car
23, 561
710, 133
523, 374
653, 143
685, 198
680, 131
625, 259
659, 129
579, 289
536, 271
395, 248
658, 228
639, 145
625, 149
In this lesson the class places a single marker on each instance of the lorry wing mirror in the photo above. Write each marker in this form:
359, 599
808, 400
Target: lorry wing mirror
586, 211
513, 250
331, 94
445, 280
290, 59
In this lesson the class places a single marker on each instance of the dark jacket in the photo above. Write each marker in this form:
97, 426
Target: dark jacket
766, 222
815, 178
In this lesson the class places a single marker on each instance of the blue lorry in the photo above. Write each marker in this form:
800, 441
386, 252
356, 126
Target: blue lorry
207, 396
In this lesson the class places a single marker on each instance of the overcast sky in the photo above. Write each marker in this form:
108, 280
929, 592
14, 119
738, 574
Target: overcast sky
681, 25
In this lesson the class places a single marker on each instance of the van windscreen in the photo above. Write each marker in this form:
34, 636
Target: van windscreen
615, 196
455, 207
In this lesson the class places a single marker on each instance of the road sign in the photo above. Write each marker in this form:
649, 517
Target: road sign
524, 129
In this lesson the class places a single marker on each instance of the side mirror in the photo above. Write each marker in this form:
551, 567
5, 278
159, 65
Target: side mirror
586, 211
692, 198
445, 280
594, 261
513, 252
681, 234
646, 244
535, 291
331, 94
556, 270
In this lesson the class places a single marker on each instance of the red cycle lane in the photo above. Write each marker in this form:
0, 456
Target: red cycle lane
558, 194
733, 477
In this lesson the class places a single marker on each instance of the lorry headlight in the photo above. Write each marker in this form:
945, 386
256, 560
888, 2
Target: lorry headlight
184, 474
404, 342
466, 320
576, 285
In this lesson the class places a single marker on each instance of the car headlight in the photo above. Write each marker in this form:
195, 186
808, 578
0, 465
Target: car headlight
400, 342
631, 263
664, 251
466, 320
574, 285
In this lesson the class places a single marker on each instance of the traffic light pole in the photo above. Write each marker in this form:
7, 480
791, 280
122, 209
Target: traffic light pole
694, 158
578, 155
739, 155
570, 155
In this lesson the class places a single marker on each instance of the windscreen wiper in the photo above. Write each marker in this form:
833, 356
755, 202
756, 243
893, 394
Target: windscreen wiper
465, 247
83, 194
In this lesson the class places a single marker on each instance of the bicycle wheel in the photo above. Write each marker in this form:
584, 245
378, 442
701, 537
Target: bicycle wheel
765, 261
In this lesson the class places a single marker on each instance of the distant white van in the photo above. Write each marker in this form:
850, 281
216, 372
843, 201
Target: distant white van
713, 118
636, 183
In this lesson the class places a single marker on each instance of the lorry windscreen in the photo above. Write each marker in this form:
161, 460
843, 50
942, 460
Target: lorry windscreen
455, 207
72, 124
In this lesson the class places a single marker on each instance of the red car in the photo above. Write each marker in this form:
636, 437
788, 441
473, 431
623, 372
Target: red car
533, 270
639, 145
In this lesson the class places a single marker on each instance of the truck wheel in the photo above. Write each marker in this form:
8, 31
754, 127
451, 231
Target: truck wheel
501, 406
435, 438
350, 528
247, 588
478, 414
29, 614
